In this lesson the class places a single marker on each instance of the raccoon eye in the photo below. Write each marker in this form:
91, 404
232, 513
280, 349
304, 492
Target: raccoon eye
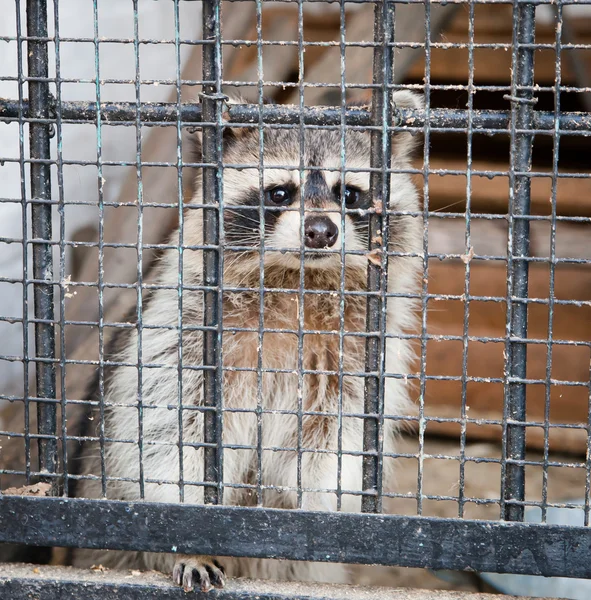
278, 195
352, 196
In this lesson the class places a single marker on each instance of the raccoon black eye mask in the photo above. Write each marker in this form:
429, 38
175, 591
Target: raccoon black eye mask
242, 220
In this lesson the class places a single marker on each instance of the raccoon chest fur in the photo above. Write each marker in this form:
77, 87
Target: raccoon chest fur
291, 365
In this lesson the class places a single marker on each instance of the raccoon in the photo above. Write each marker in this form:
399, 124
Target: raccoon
293, 372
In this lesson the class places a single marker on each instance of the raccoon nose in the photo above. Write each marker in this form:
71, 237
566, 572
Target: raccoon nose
320, 232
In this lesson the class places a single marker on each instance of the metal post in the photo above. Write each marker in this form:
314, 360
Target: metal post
522, 118
377, 273
39, 134
212, 151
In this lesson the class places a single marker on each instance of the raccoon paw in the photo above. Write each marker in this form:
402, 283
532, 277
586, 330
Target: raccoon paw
202, 572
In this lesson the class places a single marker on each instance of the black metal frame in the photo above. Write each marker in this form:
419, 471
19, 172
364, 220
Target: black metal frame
408, 541
41, 225
502, 547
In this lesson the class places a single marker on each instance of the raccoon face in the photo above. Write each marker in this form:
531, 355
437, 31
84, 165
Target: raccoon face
295, 215
310, 202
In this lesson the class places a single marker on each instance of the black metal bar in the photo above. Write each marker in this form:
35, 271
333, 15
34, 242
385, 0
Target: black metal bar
139, 305
468, 273
39, 135
261, 211
181, 242
422, 375
65, 464
342, 285
161, 112
550, 354
25, 265
101, 281
487, 546
381, 116
301, 286
211, 258
522, 102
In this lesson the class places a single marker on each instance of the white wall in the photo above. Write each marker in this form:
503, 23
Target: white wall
116, 61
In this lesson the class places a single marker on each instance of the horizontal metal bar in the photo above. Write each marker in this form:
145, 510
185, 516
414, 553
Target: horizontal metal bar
23, 582
435, 543
152, 112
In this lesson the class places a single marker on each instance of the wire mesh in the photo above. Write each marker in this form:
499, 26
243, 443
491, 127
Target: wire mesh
235, 359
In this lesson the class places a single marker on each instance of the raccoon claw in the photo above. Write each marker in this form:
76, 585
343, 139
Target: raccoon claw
203, 572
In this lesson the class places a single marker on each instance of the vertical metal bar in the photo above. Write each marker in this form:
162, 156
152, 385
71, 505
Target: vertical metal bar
140, 252
261, 211
212, 150
62, 247
377, 273
101, 257
25, 229
39, 134
302, 281
518, 250
468, 246
425, 257
181, 241
552, 259
342, 132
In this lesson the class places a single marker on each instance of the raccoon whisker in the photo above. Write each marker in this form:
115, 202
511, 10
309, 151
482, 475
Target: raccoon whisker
244, 278
242, 215
248, 233
237, 241
236, 255
236, 258
244, 236
238, 226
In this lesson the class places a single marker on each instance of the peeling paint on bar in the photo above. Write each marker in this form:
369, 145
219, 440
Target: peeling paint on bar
248, 114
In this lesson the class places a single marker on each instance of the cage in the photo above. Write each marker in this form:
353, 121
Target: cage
212, 204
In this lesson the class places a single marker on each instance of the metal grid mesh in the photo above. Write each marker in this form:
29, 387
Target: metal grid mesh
41, 112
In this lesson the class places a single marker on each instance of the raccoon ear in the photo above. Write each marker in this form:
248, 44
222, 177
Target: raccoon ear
195, 145
403, 143
229, 134
233, 134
